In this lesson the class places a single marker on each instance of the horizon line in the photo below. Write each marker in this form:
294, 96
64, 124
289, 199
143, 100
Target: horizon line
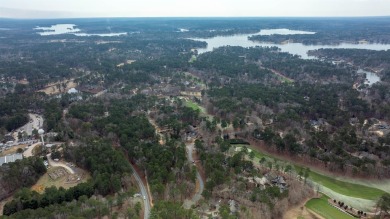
190, 17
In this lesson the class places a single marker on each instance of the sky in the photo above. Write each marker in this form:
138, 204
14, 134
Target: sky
198, 8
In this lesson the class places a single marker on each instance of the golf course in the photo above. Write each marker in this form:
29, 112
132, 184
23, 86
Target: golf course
360, 194
321, 207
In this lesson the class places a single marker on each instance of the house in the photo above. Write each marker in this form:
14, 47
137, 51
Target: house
51, 134
268, 122
8, 138
316, 124
72, 91
251, 184
353, 121
49, 145
147, 91
232, 206
383, 126
279, 182
261, 182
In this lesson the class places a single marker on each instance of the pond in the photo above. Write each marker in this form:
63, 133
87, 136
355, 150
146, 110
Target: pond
371, 77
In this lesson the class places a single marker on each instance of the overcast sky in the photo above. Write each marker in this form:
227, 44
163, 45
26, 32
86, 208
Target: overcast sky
185, 8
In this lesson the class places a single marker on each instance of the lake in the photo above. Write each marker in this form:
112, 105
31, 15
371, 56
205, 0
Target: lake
57, 29
283, 31
371, 77
292, 48
71, 29
101, 34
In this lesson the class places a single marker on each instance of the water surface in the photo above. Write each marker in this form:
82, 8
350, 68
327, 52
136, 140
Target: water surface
100, 34
57, 29
71, 29
268, 32
371, 77
292, 48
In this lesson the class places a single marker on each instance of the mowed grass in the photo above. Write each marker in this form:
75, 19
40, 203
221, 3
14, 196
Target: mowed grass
321, 207
341, 187
193, 105
193, 59
346, 188
202, 110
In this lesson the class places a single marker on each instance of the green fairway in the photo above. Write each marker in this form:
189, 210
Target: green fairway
193, 59
346, 188
196, 106
321, 207
193, 105
285, 79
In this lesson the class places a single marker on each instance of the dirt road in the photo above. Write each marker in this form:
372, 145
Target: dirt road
59, 164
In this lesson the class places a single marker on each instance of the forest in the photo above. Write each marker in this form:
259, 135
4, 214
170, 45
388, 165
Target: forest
147, 101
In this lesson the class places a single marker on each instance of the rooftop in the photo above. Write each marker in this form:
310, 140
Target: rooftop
10, 158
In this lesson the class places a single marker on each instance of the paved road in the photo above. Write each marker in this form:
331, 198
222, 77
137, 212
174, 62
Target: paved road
144, 194
198, 194
59, 164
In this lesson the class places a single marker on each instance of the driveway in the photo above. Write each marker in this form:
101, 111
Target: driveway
198, 194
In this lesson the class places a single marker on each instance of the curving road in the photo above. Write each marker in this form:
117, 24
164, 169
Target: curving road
28, 152
58, 164
144, 193
198, 194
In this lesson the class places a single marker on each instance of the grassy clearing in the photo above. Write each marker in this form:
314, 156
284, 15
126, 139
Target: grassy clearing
193, 59
346, 188
321, 207
45, 181
13, 150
